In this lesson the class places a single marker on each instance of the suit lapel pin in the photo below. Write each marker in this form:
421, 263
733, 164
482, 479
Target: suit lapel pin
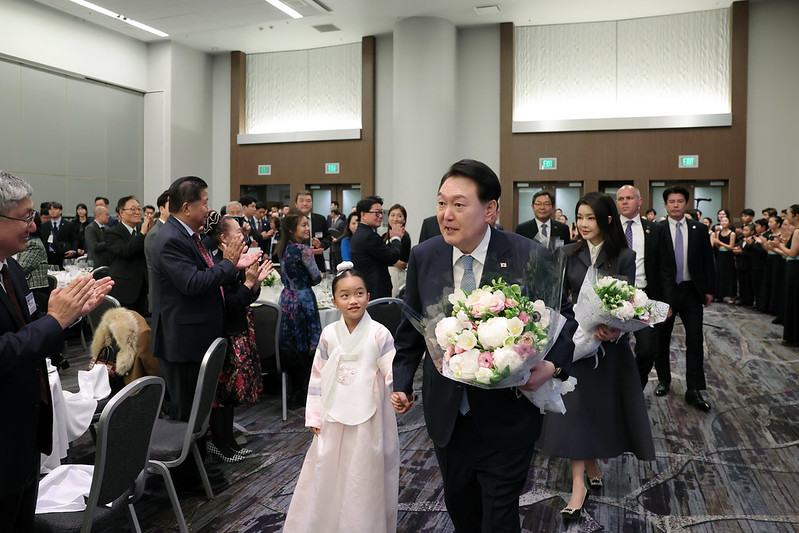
648, 230
503, 265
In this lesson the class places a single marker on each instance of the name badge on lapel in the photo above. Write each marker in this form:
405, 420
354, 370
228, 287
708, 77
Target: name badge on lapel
503, 265
31, 303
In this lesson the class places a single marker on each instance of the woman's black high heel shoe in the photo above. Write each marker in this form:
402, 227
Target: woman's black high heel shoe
568, 513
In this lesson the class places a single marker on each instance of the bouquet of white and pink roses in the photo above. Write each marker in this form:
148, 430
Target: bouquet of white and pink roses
493, 338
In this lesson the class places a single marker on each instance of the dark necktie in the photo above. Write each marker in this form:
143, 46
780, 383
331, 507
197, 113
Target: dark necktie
8, 283
468, 284
678, 252
207, 258
629, 234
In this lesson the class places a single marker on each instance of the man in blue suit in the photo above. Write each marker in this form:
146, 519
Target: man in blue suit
27, 336
483, 438
187, 297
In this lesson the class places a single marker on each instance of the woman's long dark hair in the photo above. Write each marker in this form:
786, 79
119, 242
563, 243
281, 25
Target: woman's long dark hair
612, 234
347, 232
288, 225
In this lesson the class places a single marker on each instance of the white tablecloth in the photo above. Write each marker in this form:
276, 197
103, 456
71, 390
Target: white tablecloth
73, 412
327, 313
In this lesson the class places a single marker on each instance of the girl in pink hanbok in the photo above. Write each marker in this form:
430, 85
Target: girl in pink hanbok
350, 477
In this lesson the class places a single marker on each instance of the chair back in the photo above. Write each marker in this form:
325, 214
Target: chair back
52, 282
94, 317
100, 272
123, 441
387, 311
267, 317
207, 380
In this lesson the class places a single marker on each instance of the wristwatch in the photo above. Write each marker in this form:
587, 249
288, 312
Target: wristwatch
560, 374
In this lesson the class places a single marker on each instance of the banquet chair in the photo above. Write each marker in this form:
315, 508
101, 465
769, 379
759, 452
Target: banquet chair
387, 311
173, 440
121, 460
94, 317
100, 272
267, 318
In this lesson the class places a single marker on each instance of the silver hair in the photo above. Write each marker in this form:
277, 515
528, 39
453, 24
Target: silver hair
12, 190
235, 204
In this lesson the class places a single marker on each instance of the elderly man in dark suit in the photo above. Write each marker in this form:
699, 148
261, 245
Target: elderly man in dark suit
188, 303
320, 239
59, 237
653, 272
691, 289
95, 237
370, 255
543, 227
27, 336
125, 245
483, 438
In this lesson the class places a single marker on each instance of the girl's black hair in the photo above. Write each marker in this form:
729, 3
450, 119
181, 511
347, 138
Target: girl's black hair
346, 274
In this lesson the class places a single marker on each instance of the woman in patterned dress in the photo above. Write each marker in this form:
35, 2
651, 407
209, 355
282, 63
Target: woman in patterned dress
300, 326
240, 380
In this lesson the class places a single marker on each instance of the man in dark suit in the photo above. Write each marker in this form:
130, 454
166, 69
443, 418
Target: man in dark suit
429, 229
125, 245
187, 297
483, 438
27, 336
691, 289
59, 237
103, 201
162, 204
543, 227
249, 206
370, 255
320, 239
653, 271
95, 238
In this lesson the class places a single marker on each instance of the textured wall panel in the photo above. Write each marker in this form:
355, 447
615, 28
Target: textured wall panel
658, 66
565, 71
304, 90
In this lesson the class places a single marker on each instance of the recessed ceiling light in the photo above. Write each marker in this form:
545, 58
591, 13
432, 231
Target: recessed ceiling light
487, 10
285, 9
117, 16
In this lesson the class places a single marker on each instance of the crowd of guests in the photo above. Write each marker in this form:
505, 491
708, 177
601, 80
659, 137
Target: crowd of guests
187, 269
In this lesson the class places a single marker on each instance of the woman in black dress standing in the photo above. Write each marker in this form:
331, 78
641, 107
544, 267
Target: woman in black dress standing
790, 251
606, 414
723, 240
775, 268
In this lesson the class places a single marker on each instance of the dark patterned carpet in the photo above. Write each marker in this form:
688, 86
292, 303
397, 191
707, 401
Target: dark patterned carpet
731, 470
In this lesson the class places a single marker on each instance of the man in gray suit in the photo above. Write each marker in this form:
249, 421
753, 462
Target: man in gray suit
163, 209
95, 237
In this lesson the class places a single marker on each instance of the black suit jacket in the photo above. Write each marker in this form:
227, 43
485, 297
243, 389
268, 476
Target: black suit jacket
700, 258
372, 257
127, 266
95, 245
658, 269
504, 420
558, 230
320, 231
64, 240
578, 260
186, 299
430, 229
27, 424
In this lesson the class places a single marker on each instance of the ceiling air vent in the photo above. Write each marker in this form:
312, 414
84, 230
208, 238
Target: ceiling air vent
326, 28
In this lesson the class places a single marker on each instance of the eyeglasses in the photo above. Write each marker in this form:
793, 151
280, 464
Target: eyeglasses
378, 213
27, 220
134, 209
539, 204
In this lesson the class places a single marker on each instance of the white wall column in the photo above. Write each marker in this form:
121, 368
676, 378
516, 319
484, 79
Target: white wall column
424, 114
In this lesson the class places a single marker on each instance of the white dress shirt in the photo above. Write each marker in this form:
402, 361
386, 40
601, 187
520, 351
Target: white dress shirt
593, 251
479, 255
540, 235
638, 248
684, 229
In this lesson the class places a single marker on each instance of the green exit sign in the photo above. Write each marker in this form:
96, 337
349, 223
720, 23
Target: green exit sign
264, 170
547, 163
688, 161
332, 168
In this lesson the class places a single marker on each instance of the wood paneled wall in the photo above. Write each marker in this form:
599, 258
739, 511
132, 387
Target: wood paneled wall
302, 163
633, 156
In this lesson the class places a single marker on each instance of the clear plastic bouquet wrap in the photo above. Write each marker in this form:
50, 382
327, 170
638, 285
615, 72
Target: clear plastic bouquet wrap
607, 300
494, 336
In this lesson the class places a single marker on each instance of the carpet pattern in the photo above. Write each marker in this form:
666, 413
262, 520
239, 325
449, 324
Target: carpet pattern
731, 470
